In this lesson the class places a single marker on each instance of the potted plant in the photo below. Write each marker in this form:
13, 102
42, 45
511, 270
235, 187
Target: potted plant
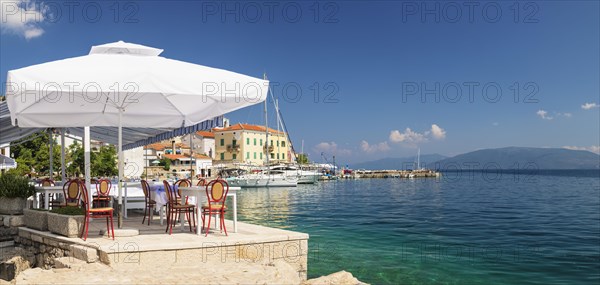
14, 191
36, 219
66, 221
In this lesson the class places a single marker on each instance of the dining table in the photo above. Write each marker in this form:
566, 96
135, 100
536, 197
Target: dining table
46, 191
199, 195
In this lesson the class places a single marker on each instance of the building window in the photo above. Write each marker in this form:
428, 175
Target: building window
277, 143
260, 142
283, 143
272, 156
247, 155
283, 156
234, 156
255, 142
222, 156
255, 153
248, 141
234, 142
261, 155
278, 156
271, 142
222, 142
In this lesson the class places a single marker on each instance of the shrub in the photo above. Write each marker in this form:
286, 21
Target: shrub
69, 210
14, 186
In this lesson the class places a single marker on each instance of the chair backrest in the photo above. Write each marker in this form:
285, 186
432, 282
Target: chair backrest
182, 183
84, 195
171, 195
46, 182
216, 192
146, 189
201, 182
72, 190
103, 187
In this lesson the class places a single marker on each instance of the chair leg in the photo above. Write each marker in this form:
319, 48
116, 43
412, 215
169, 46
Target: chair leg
151, 212
223, 223
112, 225
208, 226
145, 210
86, 226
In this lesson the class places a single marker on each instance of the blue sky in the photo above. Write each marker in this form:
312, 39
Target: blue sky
375, 65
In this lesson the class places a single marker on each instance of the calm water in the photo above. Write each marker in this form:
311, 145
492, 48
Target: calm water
460, 229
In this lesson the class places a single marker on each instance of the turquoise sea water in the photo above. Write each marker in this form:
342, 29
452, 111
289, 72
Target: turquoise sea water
463, 228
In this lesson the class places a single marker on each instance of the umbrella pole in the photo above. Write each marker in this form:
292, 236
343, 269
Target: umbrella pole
86, 158
51, 152
63, 174
120, 186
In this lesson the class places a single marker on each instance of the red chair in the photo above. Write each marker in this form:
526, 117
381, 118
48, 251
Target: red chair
72, 193
102, 197
174, 209
201, 182
216, 194
182, 183
150, 204
94, 213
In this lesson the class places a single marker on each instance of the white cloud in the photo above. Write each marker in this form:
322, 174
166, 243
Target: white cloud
566, 115
331, 148
380, 147
22, 17
589, 106
594, 148
437, 132
543, 114
409, 136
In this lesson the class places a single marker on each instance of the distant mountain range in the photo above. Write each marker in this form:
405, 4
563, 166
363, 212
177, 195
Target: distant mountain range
499, 158
399, 163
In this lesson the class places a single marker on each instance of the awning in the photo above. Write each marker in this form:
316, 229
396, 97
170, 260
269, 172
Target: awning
132, 137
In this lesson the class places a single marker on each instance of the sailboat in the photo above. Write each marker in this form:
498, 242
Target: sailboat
267, 177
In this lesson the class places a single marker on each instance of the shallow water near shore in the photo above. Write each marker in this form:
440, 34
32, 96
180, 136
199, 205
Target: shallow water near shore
476, 228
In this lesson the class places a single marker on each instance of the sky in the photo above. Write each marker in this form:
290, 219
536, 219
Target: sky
362, 80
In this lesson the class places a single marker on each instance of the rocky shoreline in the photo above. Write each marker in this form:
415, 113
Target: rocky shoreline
68, 270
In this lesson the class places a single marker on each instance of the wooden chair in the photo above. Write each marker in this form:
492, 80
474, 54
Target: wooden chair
182, 183
105, 212
53, 201
102, 198
175, 209
150, 204
72, 193
201, 182
216, 194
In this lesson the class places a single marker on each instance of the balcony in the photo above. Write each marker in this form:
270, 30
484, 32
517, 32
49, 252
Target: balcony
233, 147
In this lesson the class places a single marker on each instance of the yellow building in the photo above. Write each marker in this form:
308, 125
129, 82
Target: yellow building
245, 143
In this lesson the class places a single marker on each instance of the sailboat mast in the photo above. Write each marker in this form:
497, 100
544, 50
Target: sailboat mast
266, 127
419, 158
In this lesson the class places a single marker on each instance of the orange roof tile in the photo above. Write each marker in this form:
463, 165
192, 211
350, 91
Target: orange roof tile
182, 156
205, 134
247, 127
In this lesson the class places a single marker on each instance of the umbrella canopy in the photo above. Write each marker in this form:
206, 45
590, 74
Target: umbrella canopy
148, 90
125, 85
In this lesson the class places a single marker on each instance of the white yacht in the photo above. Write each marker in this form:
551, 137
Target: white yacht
267, 178
304, 176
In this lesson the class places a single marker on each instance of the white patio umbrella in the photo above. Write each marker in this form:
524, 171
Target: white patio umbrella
125, 85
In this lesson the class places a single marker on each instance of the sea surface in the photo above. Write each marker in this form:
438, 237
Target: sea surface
462, 228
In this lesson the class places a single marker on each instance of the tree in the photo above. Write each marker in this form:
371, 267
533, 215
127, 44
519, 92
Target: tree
302, 158
105, 162
165, 163
33, 153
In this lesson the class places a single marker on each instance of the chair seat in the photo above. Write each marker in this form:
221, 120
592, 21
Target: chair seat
97, 210
214, 207
182, 206
102, 198
72, 204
